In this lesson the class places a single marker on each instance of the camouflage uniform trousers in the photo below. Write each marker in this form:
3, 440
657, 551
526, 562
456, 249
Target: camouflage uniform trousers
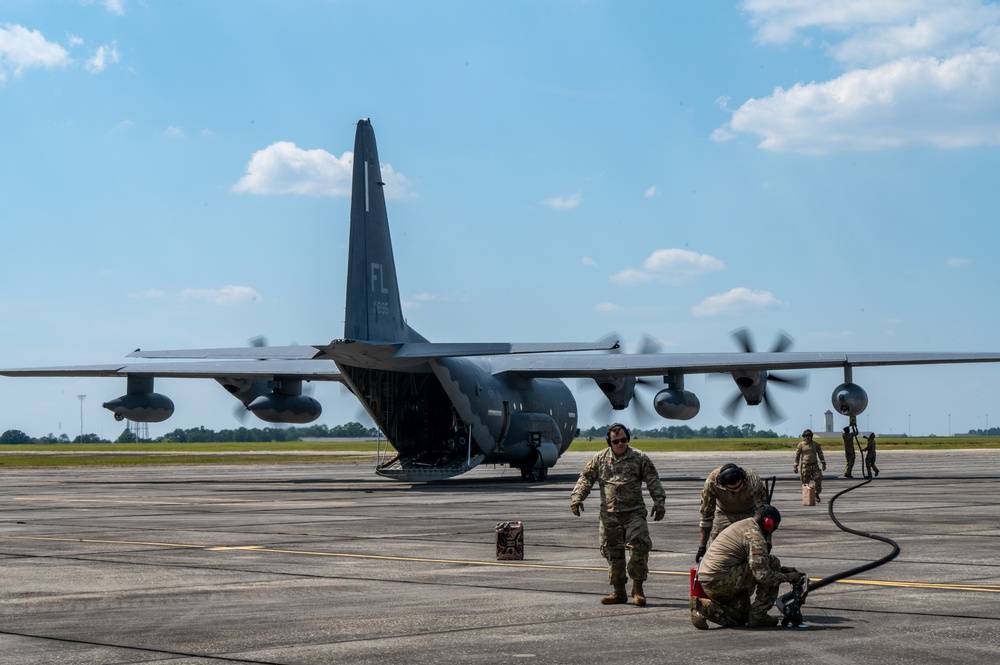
811, 472
849, 456
621, 531
870, 463
730, 604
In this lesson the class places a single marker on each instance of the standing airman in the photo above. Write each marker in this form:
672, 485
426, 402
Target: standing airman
811, 455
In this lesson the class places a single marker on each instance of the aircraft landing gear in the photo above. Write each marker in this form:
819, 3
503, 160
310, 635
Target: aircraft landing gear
534, 474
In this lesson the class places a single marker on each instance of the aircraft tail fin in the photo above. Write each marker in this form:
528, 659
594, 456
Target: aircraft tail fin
374, 312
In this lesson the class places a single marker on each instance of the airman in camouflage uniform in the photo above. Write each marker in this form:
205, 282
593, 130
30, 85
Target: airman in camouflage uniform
736, 566
620, 472
730, 494
849, 454
811, 455
870, 455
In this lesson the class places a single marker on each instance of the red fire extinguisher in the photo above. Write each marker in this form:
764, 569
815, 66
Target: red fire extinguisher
696, 590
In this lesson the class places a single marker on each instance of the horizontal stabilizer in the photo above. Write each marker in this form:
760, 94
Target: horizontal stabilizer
242, 352
446, 350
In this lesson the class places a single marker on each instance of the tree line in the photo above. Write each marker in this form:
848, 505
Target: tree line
745, 431
203, 434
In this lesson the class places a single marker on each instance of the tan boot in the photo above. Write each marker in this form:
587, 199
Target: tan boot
616, 597
638, 597
698, 619
762, 621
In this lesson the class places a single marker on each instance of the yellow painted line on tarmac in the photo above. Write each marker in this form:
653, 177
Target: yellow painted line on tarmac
987, 588
196, 501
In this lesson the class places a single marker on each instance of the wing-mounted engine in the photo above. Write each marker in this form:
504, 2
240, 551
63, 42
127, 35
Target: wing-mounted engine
140, 404
752, 384
275, 401
286, 404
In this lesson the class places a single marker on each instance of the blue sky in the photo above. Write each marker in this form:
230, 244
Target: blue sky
176, 174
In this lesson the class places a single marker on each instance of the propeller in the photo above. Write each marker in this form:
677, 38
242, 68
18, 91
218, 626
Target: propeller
752, 384
630, 390
240, 411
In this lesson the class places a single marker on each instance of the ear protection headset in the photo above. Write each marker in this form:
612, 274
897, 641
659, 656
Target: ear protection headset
768, 517
614, 427
730, 474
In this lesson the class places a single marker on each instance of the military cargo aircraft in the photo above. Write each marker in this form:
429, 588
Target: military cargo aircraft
448, 407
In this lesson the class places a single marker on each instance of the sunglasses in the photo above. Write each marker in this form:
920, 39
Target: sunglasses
621, 440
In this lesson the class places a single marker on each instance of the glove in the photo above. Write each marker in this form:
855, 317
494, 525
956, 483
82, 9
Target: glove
824, 466
794, 577
795, 469
657, 513
700, 553
576, 507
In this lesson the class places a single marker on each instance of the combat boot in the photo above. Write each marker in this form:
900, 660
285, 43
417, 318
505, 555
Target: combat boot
616, 597
638, 597
762, 621
698, 619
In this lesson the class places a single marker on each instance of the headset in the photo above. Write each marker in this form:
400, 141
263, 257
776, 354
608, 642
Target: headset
768, 517
617, 426
730, 474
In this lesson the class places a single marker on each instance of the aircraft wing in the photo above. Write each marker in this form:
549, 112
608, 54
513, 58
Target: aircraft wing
307, 370
583, 366
397, 350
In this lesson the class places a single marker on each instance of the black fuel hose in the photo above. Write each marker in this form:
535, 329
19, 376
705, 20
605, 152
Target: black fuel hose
790, 604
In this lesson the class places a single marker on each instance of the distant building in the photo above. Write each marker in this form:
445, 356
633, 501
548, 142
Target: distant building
828, 421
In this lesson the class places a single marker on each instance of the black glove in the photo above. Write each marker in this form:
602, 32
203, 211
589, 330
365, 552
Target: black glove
657, 512
794, 577
700, 553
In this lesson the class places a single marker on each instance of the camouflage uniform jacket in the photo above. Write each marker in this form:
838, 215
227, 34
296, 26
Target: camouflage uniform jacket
809, 451
740, 544
620, 480
734, 505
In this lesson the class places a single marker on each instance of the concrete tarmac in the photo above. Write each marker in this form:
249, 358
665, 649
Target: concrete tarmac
329, 563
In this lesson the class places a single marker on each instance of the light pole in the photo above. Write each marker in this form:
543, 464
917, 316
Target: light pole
81, 398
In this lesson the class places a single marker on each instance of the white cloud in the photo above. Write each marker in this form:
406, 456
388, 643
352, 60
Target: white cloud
227, 295
284, 168
670, 266
956, 262
607, 308
104, 56
651, 192
174, 132
924, 73
735, 301
115, 6
22, 49
417, 301
563, 202
587, 261
950, 103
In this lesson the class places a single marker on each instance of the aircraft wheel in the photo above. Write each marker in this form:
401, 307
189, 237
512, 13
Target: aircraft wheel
531, 474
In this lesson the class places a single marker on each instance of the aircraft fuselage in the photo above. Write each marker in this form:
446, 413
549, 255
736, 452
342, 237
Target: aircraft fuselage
449, 414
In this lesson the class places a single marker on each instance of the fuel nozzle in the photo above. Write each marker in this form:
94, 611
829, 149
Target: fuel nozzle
790, 604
